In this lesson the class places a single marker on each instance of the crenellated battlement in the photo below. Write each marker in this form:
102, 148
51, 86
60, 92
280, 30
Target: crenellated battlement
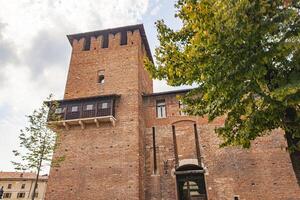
110, 38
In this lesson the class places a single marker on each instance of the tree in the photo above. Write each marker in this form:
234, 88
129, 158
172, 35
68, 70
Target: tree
37, 143
244, 57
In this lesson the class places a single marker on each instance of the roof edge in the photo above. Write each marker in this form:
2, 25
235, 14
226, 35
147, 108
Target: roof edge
84, 98
168, 92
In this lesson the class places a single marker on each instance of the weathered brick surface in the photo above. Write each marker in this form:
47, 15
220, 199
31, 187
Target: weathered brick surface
105, 162
116, 162
263, 172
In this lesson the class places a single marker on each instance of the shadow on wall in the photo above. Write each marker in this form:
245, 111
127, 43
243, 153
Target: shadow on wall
295, 156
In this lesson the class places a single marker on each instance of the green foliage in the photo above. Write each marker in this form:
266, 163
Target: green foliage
37, 142
245, 58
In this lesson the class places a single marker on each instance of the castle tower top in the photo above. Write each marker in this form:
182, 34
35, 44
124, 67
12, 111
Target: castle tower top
108, 62
86, 37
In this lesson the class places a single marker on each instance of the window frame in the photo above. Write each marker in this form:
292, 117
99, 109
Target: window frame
20, 195
74, 106
9, 186
7, 195
161, 110
88, 108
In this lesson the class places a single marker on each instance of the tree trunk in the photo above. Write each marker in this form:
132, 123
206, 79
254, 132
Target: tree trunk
36, 181
38, 171
295, 156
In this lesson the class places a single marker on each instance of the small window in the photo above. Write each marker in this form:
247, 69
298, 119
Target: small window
181, 107
74, 109
101, 76
23, 186
9, 186
89, 107
104, 105
21, 195
236, 198
161, 109
7, 195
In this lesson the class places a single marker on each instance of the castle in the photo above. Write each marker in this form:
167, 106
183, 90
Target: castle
122, 141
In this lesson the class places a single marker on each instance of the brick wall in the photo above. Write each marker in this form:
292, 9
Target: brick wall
105, 162
116, 162
262, 172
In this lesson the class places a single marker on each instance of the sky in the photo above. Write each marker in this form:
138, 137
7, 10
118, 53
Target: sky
35, 53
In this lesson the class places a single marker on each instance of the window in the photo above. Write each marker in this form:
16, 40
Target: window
104, 105
21, 195
36, 195
59, 110
181, 107
9, 186
74, 109
89, 107
161, 109
236, 198
23, 186
7, 195
101, 76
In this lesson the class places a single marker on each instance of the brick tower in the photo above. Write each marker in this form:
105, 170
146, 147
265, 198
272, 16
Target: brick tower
101, 130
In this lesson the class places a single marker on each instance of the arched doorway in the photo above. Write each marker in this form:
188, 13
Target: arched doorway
190, 183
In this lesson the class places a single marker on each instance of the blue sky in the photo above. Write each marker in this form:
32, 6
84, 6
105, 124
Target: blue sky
35, 53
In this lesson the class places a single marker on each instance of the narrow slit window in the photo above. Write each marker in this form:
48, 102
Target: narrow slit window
23, 186
101, 77
161, 109
154, 151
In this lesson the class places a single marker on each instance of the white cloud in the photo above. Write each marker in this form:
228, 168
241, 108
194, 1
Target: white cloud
155, 10
31, 31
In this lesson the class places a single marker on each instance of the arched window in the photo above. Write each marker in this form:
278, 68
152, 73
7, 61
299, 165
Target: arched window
191, 183
101, 76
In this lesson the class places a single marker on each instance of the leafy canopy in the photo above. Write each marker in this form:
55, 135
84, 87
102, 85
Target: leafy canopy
37, 142
244, 56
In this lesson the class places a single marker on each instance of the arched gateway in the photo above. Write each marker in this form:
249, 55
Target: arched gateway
190, 183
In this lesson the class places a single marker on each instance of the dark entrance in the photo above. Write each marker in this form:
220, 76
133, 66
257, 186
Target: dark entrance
191, 183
